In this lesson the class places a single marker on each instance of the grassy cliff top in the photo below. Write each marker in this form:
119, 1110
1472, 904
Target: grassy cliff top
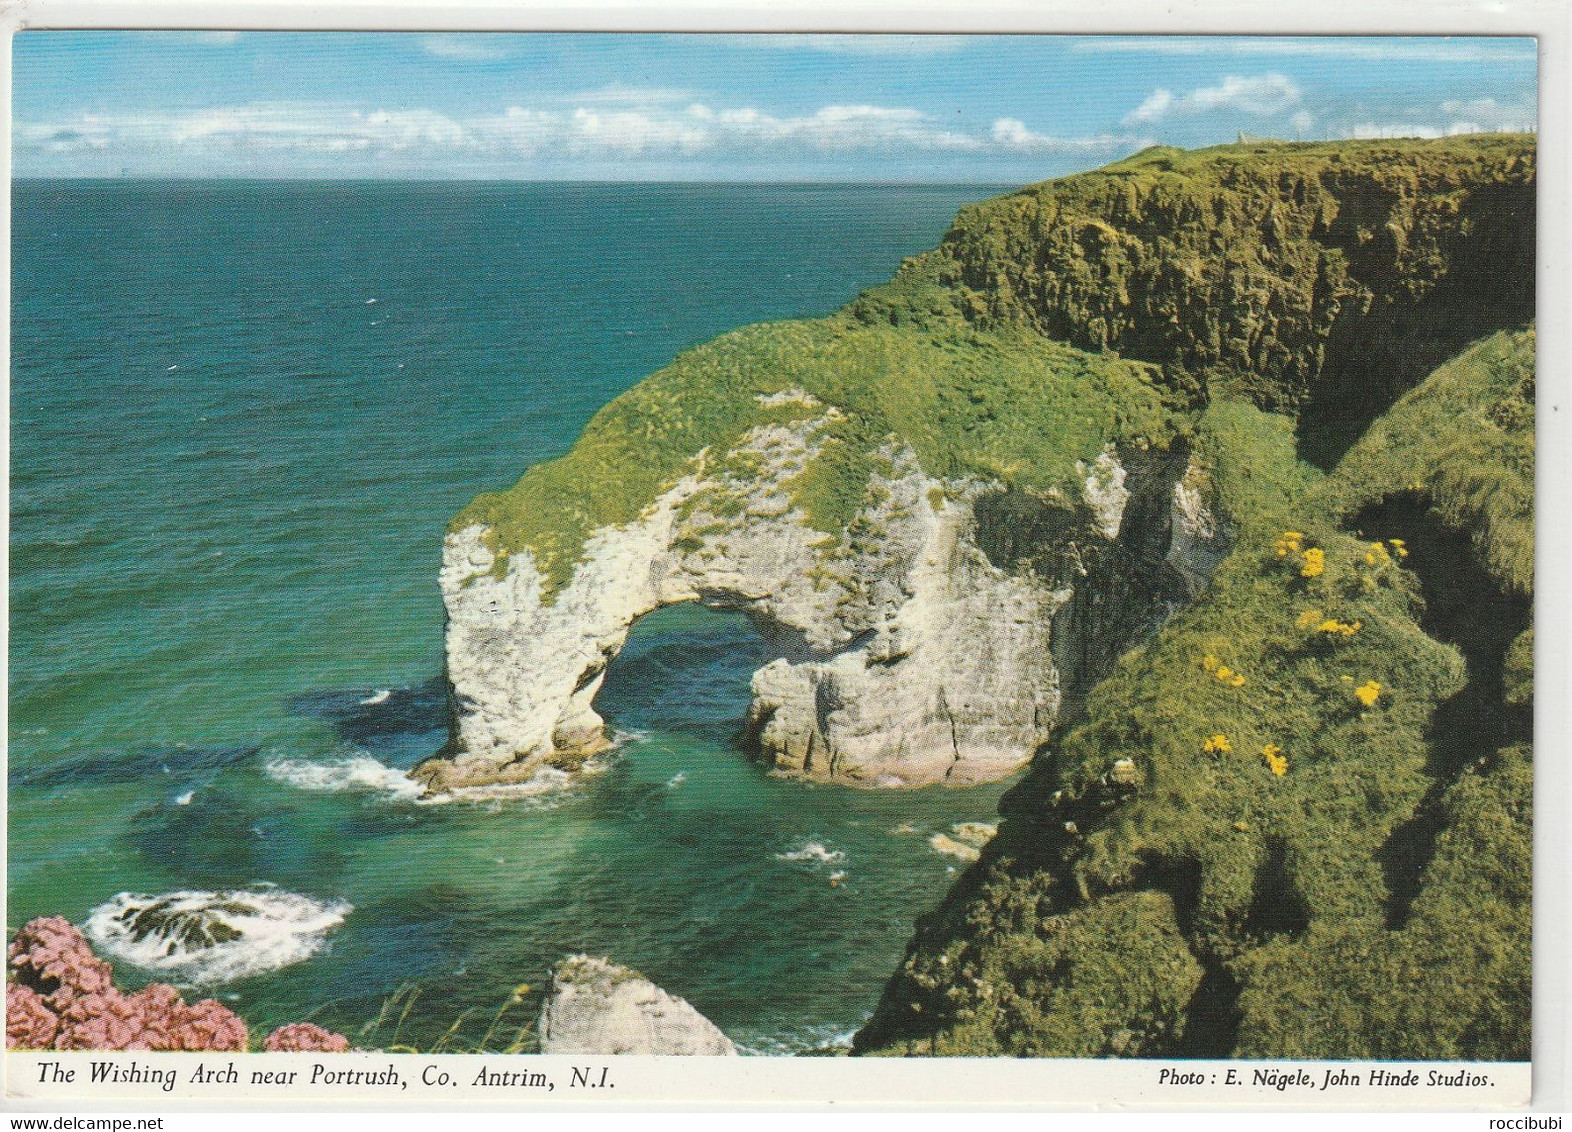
1328, 276
1004, 405
1324, 278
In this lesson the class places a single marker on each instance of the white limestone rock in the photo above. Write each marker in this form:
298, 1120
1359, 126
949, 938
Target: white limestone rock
910, 658
1104, 490
596, 1007
1201, 538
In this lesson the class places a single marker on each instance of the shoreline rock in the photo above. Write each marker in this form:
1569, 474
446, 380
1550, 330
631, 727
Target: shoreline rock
595, 1006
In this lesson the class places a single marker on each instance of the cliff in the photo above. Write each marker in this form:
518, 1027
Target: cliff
1196, 403
948, 519
1297, 822
908, 513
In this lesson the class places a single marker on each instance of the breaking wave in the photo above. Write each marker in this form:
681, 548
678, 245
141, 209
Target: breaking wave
812, 851
202, 938
548, 780
334, 776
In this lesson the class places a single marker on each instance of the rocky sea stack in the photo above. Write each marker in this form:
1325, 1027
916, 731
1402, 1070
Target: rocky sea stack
595, 1006
1204, 484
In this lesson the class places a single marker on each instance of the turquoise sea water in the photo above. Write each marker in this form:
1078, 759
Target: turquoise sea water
230, 474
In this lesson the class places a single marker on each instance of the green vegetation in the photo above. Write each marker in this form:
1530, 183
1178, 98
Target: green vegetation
1295, 822
1464, 439
1005, 405
509, 1029
1332, 803
1323, 276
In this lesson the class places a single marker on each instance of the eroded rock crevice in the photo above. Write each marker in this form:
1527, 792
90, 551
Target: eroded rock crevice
1465, 607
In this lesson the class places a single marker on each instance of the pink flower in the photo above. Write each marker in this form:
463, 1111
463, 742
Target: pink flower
64, 997
108, 1020
305, 1037
29, 1023
209, 1025
53, 958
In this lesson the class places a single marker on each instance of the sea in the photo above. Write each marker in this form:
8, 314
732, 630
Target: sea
241, 416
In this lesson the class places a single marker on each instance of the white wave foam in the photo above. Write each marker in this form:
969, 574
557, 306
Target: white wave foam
377, 697
202, 938
357, 772
185, 799
807, 1039
547, 780
676, 780
812, 851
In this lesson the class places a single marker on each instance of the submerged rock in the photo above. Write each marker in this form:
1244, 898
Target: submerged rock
595, 1006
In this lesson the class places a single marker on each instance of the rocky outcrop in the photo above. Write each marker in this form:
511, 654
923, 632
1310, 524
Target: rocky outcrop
596, 1007
917, 649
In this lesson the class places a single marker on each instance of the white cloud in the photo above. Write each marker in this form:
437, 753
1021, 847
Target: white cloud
1451, 117
866, 44
1156, 105
631, 133
1302, 122
609, 129
1489, 114
1012, 133
478, 48
1418, 130
1476, 49
616, 92
840, 127
1260, 95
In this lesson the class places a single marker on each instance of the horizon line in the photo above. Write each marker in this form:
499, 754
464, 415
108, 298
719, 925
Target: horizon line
331, 179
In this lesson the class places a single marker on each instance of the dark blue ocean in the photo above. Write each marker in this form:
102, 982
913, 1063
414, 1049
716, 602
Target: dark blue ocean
241, 416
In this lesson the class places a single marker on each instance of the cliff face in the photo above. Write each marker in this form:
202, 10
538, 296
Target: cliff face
925, 650
1297, 822
1294, 820
946, 518
1328, 277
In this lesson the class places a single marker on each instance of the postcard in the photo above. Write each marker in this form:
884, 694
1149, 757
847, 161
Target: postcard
550, 567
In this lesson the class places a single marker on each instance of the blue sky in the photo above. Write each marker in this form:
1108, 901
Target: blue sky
720, 107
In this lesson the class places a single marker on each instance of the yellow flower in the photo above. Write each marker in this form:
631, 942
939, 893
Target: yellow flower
1368, 693
1308, 619
1289, 542
1314, 563
1332, 627
1217, 745
1209, 662
1275, 759
1238, 681
1377, 555
1223, 672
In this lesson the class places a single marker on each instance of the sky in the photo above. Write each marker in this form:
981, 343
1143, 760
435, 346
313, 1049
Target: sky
602, 106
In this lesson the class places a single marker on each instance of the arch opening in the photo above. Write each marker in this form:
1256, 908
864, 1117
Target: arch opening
689, 668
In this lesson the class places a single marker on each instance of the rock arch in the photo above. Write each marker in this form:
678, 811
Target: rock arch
922, 661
